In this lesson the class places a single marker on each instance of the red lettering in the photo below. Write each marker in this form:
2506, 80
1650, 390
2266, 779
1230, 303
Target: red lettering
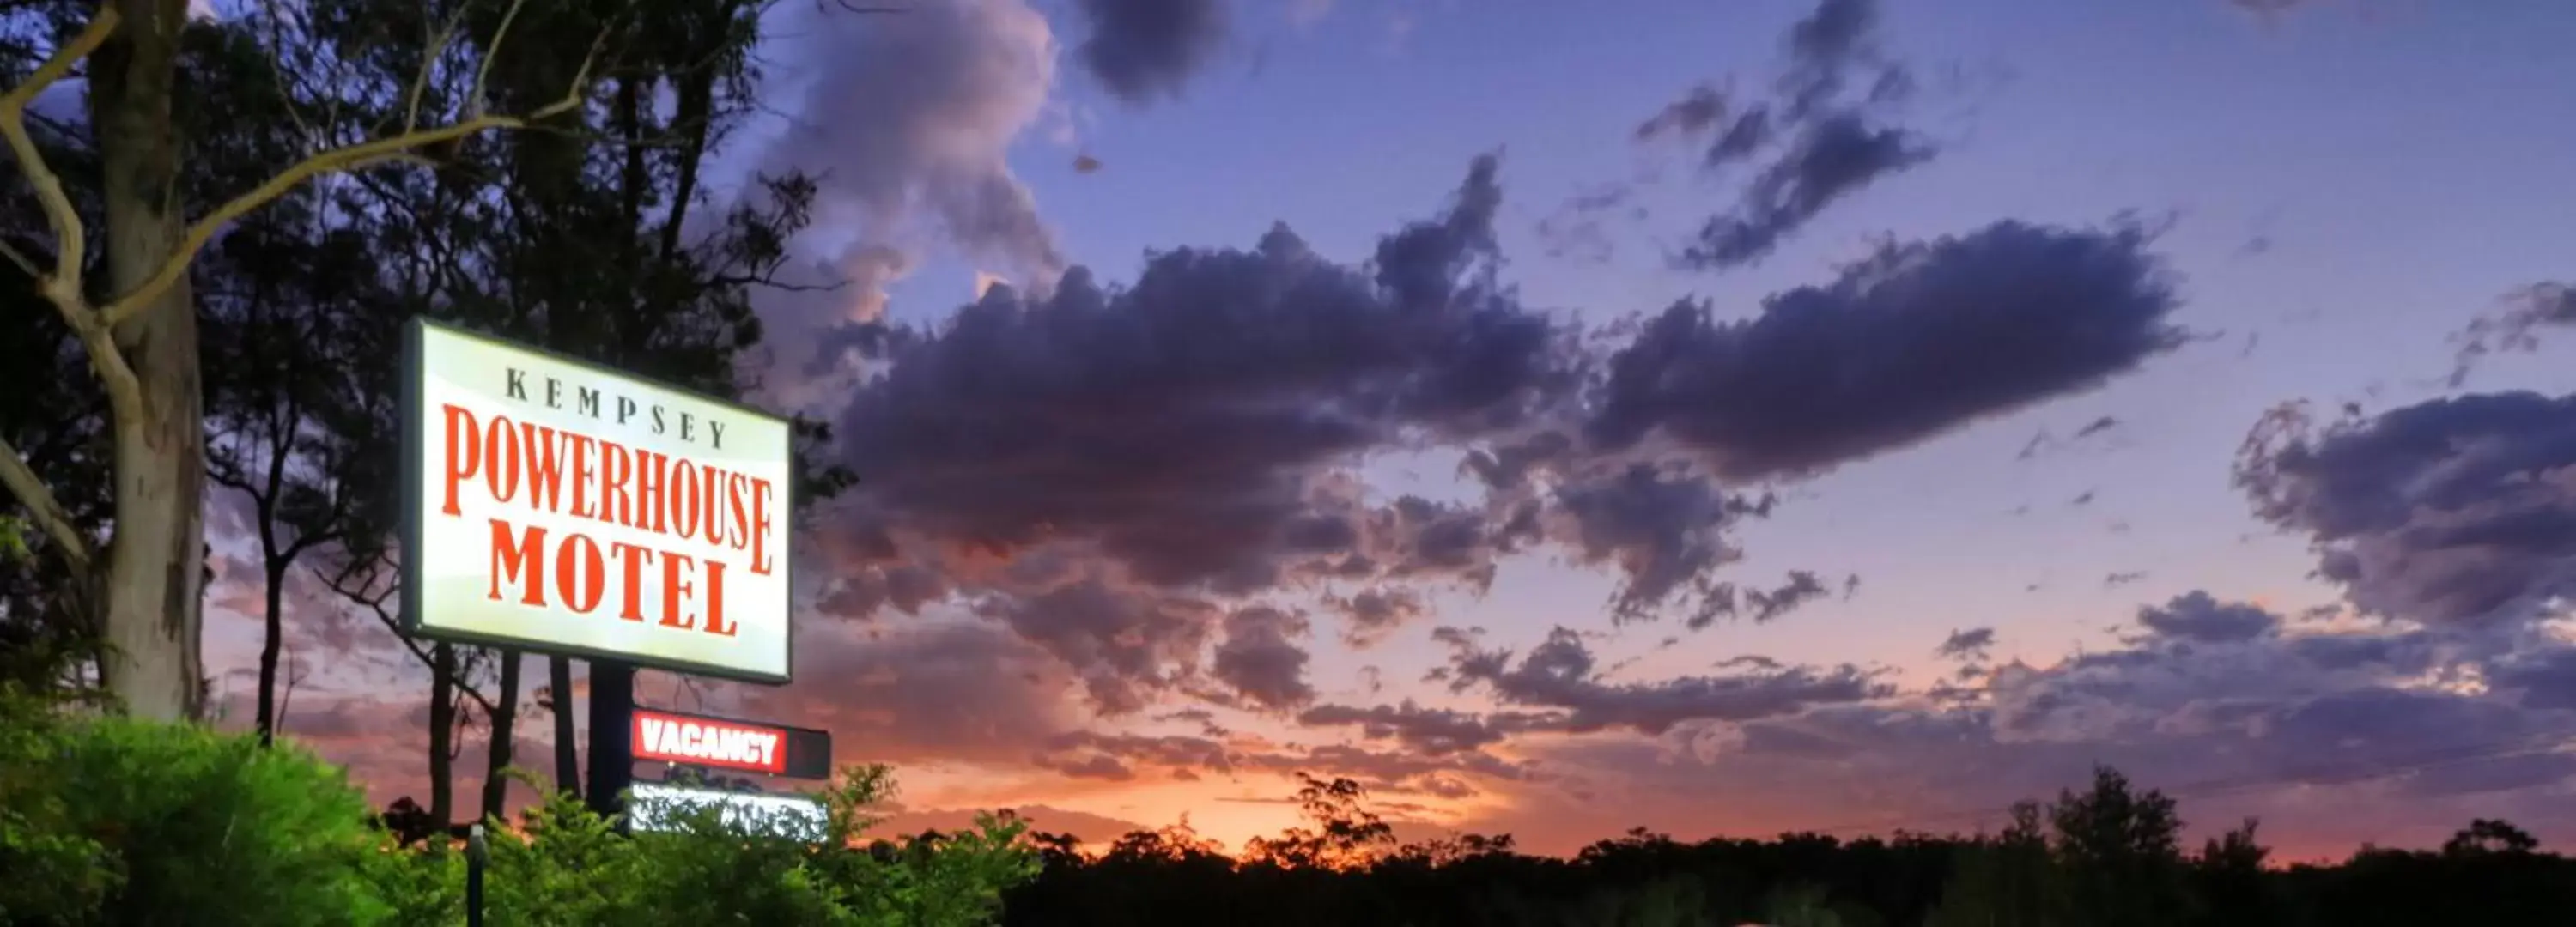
675, 589
581, 576
760, 526
716, 623
713, 493
632, 558
464, 453
545, 466
581, 448
738, 488
517, 558
614, 502
687, 497
648, 492
503, 452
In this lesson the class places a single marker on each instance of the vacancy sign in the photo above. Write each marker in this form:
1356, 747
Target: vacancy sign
657, 806
698, 740
561, 507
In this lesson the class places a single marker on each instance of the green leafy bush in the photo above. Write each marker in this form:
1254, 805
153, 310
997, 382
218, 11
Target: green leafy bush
165, 824
106, 822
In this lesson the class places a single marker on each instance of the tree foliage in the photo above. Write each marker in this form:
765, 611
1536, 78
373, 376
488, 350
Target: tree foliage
2108, 853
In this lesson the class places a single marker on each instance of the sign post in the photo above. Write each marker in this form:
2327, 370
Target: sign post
476, 856
561, 507
612, 706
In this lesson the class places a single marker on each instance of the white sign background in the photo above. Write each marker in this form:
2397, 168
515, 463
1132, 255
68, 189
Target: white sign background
449, 559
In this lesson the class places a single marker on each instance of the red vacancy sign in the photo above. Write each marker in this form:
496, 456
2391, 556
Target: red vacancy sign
710, 742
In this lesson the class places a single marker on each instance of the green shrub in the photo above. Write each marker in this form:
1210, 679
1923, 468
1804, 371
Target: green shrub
52, 870
108, 822
566, 866
188, 826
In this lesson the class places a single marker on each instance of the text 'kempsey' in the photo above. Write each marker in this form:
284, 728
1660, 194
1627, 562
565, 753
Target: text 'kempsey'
545, 469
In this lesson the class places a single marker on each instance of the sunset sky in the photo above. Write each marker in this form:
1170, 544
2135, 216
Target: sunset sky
1385, 388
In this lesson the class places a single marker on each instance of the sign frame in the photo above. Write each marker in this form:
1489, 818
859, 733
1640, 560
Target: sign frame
788, 768
412, 497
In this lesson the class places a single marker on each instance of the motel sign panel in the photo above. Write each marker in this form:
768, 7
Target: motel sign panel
560, 507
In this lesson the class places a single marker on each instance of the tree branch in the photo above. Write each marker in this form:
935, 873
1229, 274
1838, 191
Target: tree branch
62, 219
50, 515
337, 160
63, 286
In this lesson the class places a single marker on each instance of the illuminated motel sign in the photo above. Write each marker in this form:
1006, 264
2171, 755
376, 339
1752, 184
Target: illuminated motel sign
560, 507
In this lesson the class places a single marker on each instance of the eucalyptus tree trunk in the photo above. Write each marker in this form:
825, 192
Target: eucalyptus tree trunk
153, 585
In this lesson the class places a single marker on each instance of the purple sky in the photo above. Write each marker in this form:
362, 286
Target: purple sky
2329, 196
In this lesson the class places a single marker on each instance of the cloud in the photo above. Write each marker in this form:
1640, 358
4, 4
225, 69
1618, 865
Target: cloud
1697, 111
1433, 732
1127, 644
1816, 143
2454, 511
1901, 346
1260, 658
928, 693
906, 124
2295, 721
1373, 613
1970, 645
2195, 616
1559, 675
2516, 326
1141, 453
1145, 49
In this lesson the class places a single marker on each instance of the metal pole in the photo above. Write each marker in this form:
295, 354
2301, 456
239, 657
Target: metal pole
474, 857
612, 732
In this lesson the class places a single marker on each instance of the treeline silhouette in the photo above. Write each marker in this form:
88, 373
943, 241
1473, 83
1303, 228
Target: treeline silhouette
2109, 855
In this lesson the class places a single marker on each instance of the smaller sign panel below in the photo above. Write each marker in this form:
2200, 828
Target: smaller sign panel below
701, 740
656, 807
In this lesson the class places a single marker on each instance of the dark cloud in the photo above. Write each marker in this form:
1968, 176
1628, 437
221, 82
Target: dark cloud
2544, 680
1904, 345
1101, 466
1432, 731
2284, 721
2455, 511
1559, 675
941, 692
906, 122
1183, 424
2197, 616
2516, 326
1126, 644
1822, 140
1373, 613
1969, 645
1261, 660
1698, 110
1145, 49
1667, 531
1827, 161
1166, 752
1098, 766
